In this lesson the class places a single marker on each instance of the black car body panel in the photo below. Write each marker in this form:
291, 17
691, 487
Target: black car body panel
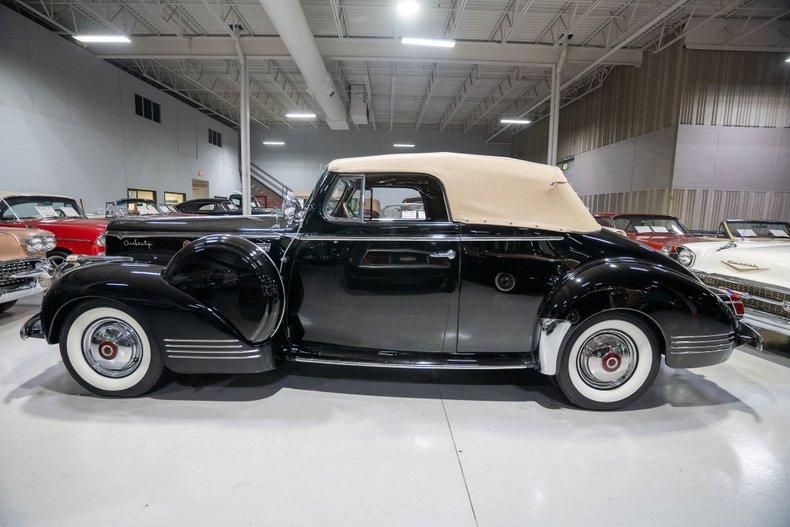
431, 292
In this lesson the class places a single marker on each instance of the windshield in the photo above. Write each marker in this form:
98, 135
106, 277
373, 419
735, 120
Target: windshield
649, 225
759, 229
39, 207
133, 207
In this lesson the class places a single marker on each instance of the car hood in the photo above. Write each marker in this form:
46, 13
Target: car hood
766, 262
185, 225
663, 240
54, 224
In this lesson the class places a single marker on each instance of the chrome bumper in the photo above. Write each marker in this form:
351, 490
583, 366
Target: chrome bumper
767, 321
40, 278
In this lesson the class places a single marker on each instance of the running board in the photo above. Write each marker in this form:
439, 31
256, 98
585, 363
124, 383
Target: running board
425, 361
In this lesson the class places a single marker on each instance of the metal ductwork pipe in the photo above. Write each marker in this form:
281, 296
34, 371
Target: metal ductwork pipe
288, 19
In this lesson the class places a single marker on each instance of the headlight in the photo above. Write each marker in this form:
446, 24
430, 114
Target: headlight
686, 257
33, 244
100, 241
49, 242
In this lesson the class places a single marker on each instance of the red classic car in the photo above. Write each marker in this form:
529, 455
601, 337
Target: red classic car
62, 216
658, 231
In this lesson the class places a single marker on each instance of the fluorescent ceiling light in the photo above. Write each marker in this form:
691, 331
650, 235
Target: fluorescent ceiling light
408, 8
514, 121
298, 115
108, 39
403, 145
274, 143
435, 42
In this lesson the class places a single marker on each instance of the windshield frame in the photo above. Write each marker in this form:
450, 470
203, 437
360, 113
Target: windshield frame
642, 217
732, 232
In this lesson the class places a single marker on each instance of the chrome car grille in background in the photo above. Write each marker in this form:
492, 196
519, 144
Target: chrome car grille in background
8, 269
687, 344
755, 296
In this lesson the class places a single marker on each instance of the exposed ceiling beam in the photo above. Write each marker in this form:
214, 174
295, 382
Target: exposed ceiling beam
651, 20
361, 49
454, 18
465, 88
426, 95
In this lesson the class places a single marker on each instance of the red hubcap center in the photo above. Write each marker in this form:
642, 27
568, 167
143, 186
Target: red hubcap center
611, 361
108, 350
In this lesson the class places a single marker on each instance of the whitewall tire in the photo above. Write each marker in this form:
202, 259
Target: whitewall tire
109, 351
609, 361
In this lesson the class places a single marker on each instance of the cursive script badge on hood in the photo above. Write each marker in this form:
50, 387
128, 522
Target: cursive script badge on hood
744, 266
137, 243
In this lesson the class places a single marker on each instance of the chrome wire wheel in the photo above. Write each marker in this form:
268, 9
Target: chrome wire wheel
112, 347
607, 359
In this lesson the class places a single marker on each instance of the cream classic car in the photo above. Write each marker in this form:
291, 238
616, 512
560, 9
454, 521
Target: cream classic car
757, 268
24, 270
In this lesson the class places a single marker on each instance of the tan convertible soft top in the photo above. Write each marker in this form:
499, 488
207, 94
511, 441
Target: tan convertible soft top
490, 190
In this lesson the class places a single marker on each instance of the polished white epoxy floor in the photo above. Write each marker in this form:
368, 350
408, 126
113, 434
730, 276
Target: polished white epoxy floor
335, 446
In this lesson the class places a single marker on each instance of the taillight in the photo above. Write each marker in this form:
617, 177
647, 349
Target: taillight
735, 300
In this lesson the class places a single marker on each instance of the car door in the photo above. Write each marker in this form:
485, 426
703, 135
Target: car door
506, 274
361, 280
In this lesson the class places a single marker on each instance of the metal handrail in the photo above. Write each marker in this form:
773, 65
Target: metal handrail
269, 181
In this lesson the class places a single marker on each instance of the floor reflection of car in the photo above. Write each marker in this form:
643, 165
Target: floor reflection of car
751, 258
506, 269
658, 231
24, 270
74, 232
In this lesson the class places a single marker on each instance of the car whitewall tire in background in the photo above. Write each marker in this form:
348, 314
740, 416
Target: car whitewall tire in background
108, 350
609, 361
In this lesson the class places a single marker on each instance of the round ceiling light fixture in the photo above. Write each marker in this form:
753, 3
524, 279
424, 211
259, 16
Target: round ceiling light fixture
408, 8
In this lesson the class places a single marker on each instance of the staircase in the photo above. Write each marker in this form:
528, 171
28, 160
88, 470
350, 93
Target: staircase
268, 189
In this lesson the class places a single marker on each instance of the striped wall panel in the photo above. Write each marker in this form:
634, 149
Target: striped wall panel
698, 209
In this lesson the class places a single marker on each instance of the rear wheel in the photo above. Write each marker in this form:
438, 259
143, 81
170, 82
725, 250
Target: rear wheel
608, 362
108, 350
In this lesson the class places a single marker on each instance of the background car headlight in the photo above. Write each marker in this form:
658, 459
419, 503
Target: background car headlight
686, 257
49, 242
34, 244
102, 239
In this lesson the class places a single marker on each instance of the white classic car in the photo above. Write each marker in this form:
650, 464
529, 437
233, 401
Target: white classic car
755, 265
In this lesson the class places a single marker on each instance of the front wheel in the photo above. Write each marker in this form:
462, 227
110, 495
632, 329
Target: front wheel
608, 362
108, 350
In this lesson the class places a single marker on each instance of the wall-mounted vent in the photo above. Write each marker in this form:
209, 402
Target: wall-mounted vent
215, 138
147, 109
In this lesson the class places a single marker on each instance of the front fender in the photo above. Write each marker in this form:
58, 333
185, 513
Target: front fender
676, 304
170, 312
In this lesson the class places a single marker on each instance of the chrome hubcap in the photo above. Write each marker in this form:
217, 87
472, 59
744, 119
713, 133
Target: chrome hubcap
607, 359
112, 347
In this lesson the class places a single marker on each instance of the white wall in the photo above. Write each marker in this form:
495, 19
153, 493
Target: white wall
733, 158
638, 163
67, 125
298, 163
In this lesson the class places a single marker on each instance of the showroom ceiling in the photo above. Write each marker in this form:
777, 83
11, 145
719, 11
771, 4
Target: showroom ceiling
500, 67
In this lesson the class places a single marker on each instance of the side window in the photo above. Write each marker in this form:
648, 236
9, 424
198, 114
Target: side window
208, 207
345, 200
404, 197
393, 203
606, 222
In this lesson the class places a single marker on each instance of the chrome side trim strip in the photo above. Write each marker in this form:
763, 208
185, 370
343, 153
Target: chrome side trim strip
216, 358
201, 340
413, 365
174, 347
467, 238
367, 238
193, 234
216, 352
730, 334
690, 352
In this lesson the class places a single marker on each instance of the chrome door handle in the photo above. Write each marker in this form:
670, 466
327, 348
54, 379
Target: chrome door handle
446, 254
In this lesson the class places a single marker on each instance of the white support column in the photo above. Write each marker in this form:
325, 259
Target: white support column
554, 105
244, 134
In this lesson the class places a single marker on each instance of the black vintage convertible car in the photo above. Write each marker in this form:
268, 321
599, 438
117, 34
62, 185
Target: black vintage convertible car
501, 267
